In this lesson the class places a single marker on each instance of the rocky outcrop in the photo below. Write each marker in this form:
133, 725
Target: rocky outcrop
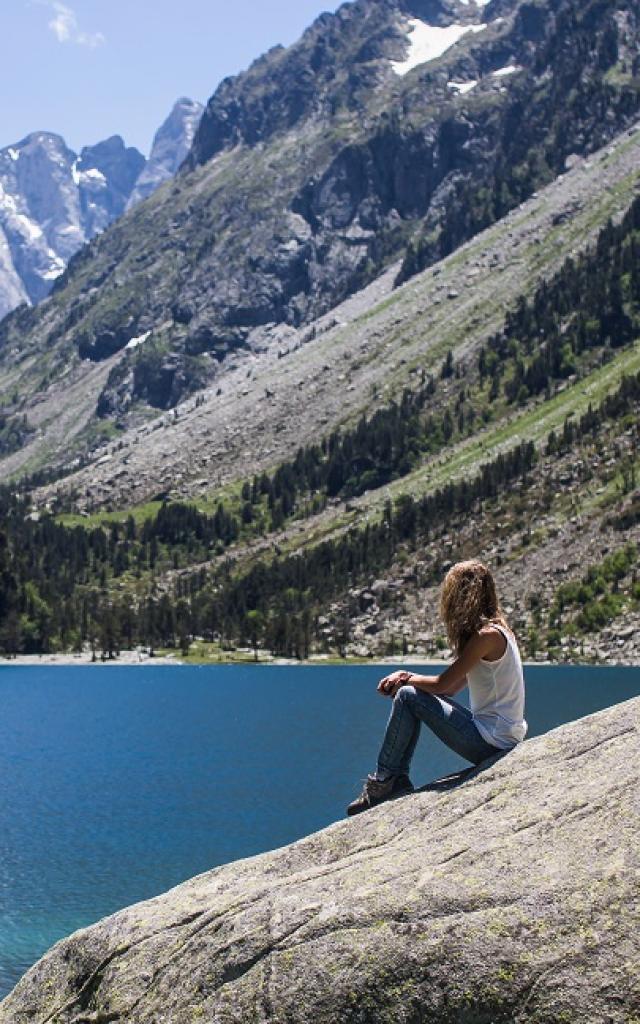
508, 894
106, 175
171, 144
309, 369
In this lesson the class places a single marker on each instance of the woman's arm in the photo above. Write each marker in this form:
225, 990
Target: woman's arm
449, 682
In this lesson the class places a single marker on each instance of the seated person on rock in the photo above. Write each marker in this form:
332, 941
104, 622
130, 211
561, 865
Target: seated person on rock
487, 660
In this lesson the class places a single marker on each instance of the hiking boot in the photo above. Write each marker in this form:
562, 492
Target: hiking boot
376, 792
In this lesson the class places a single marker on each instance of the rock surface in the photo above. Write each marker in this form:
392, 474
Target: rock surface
171, 145
236, 428
510, 898
53, 201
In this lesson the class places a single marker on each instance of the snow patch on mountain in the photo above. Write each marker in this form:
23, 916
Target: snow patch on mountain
93, 174
15, 220
31, 230
462, 87
428, 42
138, 341
507, 70
56, 269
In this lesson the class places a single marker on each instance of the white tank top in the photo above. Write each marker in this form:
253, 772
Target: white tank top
496, 696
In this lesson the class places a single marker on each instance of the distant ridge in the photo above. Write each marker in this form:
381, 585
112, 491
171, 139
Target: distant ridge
53, 201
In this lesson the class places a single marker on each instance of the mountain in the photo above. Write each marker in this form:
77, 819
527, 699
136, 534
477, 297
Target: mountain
385, 316
53, 201
170, 148
322, 164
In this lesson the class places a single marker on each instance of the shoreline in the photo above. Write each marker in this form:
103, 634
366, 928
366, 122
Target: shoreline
139, 658
125, 658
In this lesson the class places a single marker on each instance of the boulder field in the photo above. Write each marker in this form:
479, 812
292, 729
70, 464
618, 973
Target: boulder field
505, 894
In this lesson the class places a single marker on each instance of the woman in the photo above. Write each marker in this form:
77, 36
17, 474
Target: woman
487, 660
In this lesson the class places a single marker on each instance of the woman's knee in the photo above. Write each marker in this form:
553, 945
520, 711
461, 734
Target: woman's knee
405, 695
419, 701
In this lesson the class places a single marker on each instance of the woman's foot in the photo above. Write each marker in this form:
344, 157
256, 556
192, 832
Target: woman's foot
376, 792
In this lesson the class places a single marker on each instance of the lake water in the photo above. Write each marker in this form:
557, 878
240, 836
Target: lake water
118, 783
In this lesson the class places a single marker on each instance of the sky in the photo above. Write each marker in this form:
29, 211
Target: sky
88, 69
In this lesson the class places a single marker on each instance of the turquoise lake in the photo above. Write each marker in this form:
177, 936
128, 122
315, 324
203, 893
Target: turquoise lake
117, 783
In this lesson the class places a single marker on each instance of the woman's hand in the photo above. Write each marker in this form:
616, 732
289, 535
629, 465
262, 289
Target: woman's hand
390, 685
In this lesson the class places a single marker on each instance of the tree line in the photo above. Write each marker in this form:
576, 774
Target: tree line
63, 587
590, 307
592, 303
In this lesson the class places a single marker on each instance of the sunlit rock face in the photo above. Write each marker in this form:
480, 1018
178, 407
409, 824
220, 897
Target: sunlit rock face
171, 145
53, 201
389, 134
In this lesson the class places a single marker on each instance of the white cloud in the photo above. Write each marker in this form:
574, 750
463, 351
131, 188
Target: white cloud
65, 28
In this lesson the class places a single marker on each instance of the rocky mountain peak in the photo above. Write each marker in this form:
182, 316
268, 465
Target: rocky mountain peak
39, 210
336, 65
105, 174
120, 164
331, 66
24, 168
389, 134
170, 148
53, 201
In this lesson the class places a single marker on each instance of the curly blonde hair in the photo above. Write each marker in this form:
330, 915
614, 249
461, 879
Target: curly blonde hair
468, 601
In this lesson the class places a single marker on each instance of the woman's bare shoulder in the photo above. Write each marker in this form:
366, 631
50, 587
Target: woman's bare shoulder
495, 641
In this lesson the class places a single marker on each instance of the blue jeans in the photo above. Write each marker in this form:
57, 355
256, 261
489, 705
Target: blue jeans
451, 722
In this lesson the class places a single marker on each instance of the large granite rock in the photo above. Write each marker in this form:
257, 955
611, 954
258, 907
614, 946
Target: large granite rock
510, 897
